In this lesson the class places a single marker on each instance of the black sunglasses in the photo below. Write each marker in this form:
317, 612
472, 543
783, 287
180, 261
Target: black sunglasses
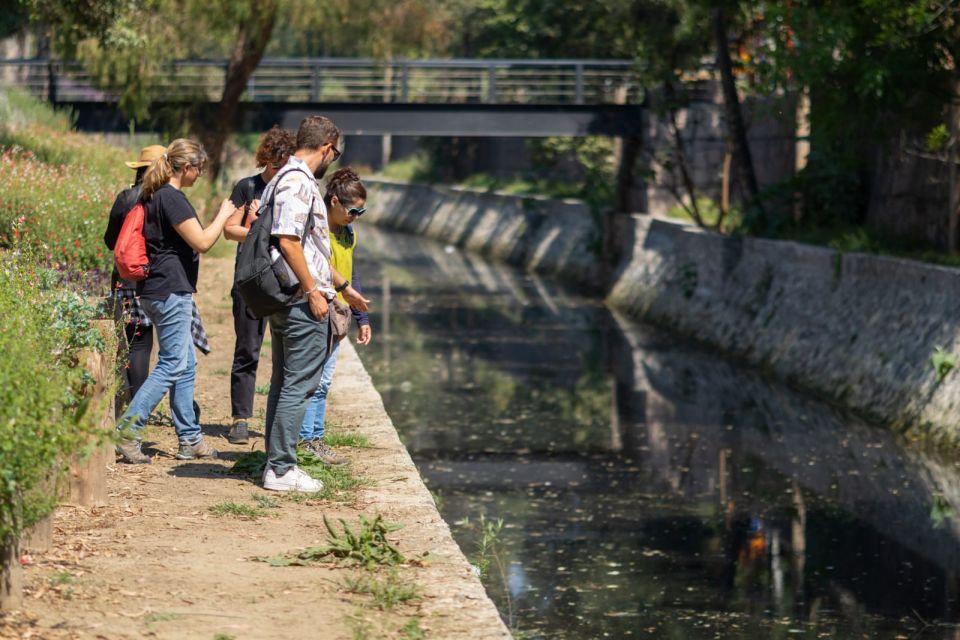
356, 212
336, 152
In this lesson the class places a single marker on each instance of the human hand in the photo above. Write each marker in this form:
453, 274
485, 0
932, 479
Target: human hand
227, 209
253, 212
318, 304
364, 335
355, 300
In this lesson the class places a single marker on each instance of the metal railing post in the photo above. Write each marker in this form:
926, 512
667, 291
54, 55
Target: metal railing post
315, 82
579, 83
492, 84
405, 82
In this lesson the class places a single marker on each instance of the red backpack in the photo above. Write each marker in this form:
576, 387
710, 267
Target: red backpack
130, 252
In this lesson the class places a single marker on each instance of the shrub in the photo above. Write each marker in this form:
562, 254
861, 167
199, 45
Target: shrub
56, 189
44, 391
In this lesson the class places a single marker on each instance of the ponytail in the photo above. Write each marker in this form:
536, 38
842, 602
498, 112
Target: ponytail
157, 175
346, 185
181, 153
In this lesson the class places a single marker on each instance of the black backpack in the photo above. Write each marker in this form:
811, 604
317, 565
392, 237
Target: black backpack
265, 282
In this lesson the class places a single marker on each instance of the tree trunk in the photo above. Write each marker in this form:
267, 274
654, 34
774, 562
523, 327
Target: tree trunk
737, 130
252, 39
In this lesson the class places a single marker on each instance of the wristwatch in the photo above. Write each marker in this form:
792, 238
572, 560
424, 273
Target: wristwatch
346, 283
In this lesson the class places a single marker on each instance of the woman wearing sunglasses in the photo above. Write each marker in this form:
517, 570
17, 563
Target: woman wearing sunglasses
345, 199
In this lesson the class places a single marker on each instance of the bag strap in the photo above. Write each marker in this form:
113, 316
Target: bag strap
273, 196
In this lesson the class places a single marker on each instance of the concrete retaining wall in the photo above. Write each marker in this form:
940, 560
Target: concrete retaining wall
555, 237
856, 329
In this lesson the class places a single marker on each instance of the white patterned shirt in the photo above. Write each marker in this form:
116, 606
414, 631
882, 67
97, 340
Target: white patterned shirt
298, 196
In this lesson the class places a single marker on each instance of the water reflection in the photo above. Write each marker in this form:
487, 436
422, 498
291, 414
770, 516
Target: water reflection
648, 488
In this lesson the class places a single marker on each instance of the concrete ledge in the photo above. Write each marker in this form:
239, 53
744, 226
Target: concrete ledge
455, 601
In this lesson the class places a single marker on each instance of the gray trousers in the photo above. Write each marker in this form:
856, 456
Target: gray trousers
299, 351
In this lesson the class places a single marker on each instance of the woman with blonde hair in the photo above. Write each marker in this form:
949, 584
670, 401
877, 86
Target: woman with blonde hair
174, 239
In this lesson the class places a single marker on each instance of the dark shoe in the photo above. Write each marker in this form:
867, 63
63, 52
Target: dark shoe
324, 453
239, 433
193, 451
130, 452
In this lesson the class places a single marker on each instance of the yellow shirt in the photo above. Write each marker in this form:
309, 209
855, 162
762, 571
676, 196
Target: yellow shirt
342, 243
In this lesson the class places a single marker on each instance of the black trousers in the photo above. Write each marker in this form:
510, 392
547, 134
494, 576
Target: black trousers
137, 367
246, 356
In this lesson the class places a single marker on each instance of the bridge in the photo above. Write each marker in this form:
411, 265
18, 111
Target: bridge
487, 98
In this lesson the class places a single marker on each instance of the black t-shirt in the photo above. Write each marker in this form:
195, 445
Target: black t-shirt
174, 265
244, 192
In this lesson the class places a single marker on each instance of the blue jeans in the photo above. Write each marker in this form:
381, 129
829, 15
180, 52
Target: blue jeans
175, 372
313, 426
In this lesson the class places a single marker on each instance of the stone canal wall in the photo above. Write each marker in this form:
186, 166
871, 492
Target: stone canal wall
858, 330
554, 237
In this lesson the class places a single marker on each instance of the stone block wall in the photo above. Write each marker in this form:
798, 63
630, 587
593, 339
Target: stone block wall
855, 329
554, 237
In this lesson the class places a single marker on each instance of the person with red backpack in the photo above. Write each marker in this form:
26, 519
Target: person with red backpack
173, 239
137, 328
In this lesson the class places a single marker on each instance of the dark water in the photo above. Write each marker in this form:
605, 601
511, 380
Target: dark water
647, 488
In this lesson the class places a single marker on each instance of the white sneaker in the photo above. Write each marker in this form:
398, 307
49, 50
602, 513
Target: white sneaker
292, 480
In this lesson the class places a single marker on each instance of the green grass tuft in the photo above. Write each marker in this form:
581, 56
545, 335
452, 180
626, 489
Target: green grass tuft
237, 510
387, 593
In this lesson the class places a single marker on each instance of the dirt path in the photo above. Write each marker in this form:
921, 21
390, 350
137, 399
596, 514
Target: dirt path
158, 562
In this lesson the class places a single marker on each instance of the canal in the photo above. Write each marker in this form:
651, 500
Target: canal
611, 480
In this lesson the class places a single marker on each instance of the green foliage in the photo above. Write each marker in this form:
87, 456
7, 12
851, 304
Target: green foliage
368, 547
940, 511
486, 546
266, 502
544, 29
873, 69
412, 630
251, 463
943, 362
45, 412
356, 440
938, 138
237, 509
263, 389
386, 593
56, 188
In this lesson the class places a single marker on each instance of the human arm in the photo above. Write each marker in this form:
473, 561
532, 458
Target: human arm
364, 333
201, 239
350, 294
238, 225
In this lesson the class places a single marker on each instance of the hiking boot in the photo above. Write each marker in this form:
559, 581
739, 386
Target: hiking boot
130, 452
324, 453
239, 433
292, 480
201, 449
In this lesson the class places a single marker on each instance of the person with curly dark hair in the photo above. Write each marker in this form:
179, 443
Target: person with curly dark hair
345, 199
275, 147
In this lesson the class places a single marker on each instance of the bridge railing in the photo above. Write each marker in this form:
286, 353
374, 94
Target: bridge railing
358, 80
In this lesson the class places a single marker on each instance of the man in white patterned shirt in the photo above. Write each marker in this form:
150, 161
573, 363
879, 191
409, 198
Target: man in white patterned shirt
299, 333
